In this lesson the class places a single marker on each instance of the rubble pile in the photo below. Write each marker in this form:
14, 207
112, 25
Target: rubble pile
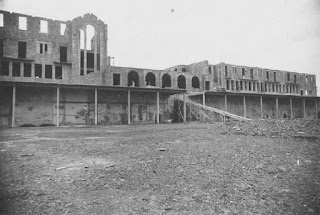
274, 128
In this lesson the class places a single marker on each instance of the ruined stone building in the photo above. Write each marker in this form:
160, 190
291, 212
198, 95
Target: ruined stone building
59, 72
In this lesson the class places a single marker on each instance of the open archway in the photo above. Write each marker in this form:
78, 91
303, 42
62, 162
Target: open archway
150, 79
166, 80
181, 82
133, 79
195, 82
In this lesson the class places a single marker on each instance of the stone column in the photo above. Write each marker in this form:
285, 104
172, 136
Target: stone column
203, 99
244, 107
261, 108
85, 52
13, 116
58, 104
96, 106
277, 107
129, 107
291, 111
184, 109
225, 102
158, 107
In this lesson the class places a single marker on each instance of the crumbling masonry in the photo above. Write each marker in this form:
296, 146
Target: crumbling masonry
58, 73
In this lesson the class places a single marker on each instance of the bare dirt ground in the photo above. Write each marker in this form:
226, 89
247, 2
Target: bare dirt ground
156, 169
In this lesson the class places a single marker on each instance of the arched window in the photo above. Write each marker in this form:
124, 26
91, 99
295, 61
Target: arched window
133, 79
195, 82
150, 79
183, 69
181, 82
166, 80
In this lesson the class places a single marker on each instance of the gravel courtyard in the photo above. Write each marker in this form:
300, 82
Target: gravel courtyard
158, 169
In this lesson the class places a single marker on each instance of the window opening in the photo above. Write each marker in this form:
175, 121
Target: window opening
267, 75
63, 54
274, 76
22, 49
38, 70
183, 70
1, 48
133, 79
16, 69
43, 26
27, 70
4, 71
251, 73
22, 23
150, 79
207, 83
116, 79
1, 20
243, 72
48, 71
166, 80
181, 82
225, 71
210, 70
58, 72
288, 77
62, 28
195, 82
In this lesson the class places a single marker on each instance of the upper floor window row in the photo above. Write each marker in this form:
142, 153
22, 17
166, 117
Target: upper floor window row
23, 25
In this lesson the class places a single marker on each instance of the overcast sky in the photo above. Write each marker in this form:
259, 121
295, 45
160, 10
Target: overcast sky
156, 34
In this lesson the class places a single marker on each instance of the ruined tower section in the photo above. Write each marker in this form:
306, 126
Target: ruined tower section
89, 49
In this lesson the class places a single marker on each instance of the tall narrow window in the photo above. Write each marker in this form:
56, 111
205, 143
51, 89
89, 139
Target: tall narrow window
63, 54
22, 23
38, 71
48, 71
251, 73
288, 77
1, 48
1, 20
116, 79
43, 26
22, 49
267, 75
4, 68
210, 70
226, 71
27, 70
62, 28
275, 76
58, 73
243, 72
295, 79
16, 69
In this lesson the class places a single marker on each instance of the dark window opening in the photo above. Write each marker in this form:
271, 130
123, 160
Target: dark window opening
215, 76
175, 69
237, 85
22, 49
48, 71
251, 73
243, 72
226, 71
133, 79
4, 71
181, 82
241, 85
1, 48
249, 83
195, 82
58, 72
150, 79
253, 86
310, 92
288, 77
90, 60
166, 81
266, 87
38, 71
295, 79
232, 84
267, 75
273, 90
16, 69
41, 48
301, 92
207, 83
45, 47
63, 54
98, 61
27, 70
227, 83
183, 69
275, 76
210, 70
116, 79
